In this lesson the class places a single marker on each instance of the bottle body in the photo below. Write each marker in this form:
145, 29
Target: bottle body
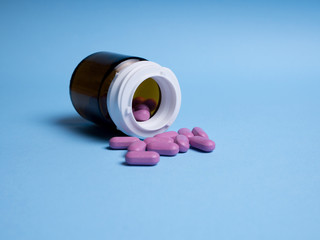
104, 85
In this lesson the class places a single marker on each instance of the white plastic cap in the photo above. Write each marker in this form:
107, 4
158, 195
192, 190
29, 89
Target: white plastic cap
122, 89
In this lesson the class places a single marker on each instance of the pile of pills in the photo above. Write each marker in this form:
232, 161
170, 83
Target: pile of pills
148, 151
142, 108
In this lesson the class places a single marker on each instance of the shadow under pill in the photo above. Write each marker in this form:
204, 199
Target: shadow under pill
79, 126
128, 165
197, 150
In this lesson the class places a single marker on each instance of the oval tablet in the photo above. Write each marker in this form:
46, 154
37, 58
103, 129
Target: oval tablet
137, 146
183, 143
167, 149
202, 143
122, 142
137, 100
197, 131
141, 115
158, 139
151, 103
141, 107
171, 134
142, 158
186, 132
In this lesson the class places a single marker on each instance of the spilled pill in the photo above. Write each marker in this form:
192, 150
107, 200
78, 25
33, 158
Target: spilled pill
183, 143
148, 151
141, 115
137, 146
122, 142
202, 143
197, 131
167, 149
171, 134
142, 158
186, 132
158, 139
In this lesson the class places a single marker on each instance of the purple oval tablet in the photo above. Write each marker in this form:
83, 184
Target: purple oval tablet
141, 115
167, 149
202, 143
183, 143
151, 103
142, 158
141, 107
137, 100
171, 134
197, 131
137, 146
158, 139
186, 132
122, 142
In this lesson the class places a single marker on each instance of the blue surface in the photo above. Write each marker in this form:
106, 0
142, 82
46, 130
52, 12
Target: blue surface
250, 76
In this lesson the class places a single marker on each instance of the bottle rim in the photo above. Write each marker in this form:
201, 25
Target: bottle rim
121, 92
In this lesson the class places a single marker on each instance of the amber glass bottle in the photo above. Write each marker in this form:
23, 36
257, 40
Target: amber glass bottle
104, 84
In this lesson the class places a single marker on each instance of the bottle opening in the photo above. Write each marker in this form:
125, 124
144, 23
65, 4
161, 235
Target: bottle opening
146, 98
140, 82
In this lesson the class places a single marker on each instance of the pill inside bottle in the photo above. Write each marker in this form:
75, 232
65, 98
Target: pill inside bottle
146, 99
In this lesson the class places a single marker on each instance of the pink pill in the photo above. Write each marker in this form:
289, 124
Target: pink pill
141, 107
137, 100
186, 132
137, 146
151, 103
183, 143
167, 149
141, 115
122, 142
158, 139
171, 134
142, 158
199, 132
202, 143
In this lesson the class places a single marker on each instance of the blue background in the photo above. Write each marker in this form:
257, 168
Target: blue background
250, 75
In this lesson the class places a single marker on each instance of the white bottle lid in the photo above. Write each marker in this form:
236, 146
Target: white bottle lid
121, 92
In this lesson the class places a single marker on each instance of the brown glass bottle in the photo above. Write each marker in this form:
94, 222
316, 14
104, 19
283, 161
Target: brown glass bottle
104, 84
